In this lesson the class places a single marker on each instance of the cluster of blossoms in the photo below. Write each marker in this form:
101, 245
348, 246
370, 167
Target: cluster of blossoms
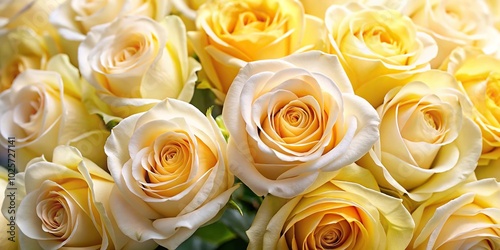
132, 124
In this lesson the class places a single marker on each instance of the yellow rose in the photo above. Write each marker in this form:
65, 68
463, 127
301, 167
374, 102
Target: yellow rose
455, 23
33, 14
427, 142
346, 212
21, 49
479, 75
43, 109
467, 217
8, 228
374, 43
170, 169
234, 32
291, 119
135, 62
66, 204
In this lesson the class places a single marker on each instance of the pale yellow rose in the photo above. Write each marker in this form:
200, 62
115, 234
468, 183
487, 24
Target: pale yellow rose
467, 217
8, 227
75, 18
319, 7
291, 119
494, 7
454, 23
136, 62
346, 212
43, 109
479, 75
67, 204
234, 32
20, 49
186, 9
428, 143
374, 43
33, 14
170, 169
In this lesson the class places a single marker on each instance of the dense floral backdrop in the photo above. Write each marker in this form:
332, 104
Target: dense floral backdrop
250, 124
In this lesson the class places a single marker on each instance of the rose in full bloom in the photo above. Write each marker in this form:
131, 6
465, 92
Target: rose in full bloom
455, 23
479, 75
290, 119
170, 169
21, 49
135, 62
44, 108
346, 212
428, 142
374, 43
7, 223
234, 32
467, 217
66, 204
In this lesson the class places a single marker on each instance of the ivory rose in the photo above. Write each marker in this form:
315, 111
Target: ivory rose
292, 118
234, 32
170, 169
455, 23
479, 75
346, 212
374, 43
428, 143
135, 62
21, 49
467, 217
44, 108
66, 204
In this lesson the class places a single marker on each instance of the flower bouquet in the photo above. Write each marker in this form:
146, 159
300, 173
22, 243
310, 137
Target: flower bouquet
250, 124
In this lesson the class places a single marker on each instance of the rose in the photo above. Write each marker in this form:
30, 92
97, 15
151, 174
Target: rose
43, 109
494, 7
454, 24
374, 43
66, 204
233, 32
169, 165
347, 212
74, 18
187, 11
21, 49
467, 217
290, 119
428, 143
135, 62
9, 234
479, 75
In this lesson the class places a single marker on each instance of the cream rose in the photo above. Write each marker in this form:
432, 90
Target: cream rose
170, 169
479, 75
75, 18
43, 109
67, 204
290, 119
346, 212
455, 23
8, 228
374, 43
21, 49
467, 217
135, 62
428, 143
234, 32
